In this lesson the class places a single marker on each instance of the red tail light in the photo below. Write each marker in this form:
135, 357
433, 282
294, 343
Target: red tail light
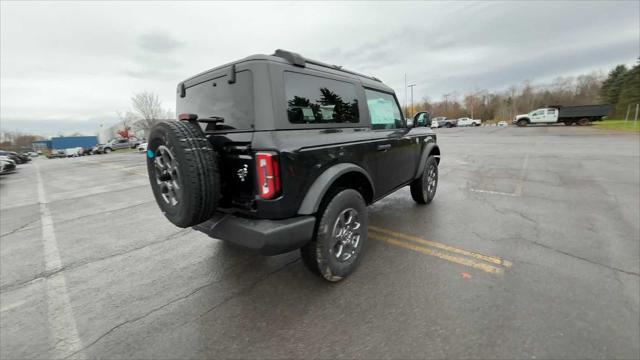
268, 175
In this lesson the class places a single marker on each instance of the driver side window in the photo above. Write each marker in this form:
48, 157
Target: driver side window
384, 110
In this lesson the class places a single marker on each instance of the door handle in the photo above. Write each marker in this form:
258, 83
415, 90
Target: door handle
384, 147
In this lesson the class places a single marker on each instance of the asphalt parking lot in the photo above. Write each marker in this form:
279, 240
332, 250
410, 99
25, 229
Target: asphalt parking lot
529, 250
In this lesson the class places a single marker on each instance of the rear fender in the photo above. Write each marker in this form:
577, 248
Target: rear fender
321, 185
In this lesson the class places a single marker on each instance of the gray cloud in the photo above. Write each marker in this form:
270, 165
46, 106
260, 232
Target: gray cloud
75, 60
156, 57
545, 65
158, 43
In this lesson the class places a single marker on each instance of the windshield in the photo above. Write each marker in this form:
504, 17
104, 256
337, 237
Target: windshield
216, 97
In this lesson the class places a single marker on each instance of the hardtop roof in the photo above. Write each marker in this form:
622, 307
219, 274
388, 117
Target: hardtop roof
367, 81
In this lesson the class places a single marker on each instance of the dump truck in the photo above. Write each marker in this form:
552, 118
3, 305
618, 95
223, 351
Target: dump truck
569, 115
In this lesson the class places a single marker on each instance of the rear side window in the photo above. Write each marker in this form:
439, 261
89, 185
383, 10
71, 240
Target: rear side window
316, 100
383, 110
233, 102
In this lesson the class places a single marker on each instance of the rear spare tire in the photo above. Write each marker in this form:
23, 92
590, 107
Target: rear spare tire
183, 172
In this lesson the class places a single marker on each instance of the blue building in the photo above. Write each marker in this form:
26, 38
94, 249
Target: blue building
65, 142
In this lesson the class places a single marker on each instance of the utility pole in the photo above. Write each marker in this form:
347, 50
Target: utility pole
411, 86
405, 91
635, 120
446, 101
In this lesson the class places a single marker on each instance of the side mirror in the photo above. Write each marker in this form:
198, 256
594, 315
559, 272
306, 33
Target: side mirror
422, 119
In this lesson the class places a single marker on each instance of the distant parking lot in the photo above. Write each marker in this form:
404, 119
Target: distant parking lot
530, 249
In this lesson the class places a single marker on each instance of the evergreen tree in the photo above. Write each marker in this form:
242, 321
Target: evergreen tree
629, 92
611, 87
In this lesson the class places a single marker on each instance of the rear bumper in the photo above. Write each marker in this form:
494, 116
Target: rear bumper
268, 237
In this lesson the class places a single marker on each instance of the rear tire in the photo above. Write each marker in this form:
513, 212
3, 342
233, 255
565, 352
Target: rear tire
183, 172
337, 246
448, 125
423, 189
584, 122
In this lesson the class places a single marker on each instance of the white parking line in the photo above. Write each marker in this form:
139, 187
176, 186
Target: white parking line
62, 325
495, 192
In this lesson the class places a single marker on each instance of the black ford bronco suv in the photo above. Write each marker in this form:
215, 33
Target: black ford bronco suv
280, 152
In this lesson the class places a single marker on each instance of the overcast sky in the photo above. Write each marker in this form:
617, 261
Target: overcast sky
71, 66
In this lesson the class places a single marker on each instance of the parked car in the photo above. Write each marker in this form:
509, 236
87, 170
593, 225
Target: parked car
293, 175
142, 147
17, 158
444, 122
502, 123
569, 115
118, 144
57, 154
465, 121
6, 165
73, 152
98, 149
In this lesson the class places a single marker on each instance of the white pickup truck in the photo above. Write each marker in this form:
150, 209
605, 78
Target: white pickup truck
465, 121
582, 115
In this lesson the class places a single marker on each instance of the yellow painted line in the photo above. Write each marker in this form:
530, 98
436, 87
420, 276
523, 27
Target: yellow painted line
451, 258
490, 259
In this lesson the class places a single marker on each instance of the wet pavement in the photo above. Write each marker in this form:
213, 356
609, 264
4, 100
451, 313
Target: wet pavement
529, 250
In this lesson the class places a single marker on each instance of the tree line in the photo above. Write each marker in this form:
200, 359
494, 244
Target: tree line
619, 89
146, 110
16, 140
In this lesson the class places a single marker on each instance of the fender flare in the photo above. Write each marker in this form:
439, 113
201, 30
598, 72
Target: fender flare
318, 189
423, 158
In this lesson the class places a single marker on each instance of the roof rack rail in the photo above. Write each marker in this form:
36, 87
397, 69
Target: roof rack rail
299, 60
294, 58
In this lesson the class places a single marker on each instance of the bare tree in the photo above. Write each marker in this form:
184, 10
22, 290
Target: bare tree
148, 109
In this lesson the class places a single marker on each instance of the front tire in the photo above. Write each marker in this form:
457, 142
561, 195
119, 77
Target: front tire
340, 237
522, 123
423, 189
107, 151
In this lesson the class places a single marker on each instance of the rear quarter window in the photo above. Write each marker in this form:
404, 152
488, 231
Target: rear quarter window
216, 97
316, 100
